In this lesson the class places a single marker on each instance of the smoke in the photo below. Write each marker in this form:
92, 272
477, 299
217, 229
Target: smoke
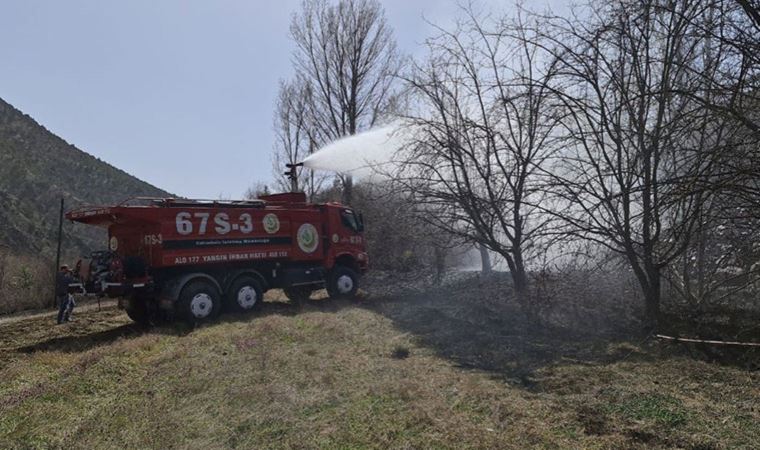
363, 155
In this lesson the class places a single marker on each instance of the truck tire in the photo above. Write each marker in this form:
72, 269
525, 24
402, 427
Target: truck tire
342, 283
298, 294
143, 311
199, 301
138, 311
244, 294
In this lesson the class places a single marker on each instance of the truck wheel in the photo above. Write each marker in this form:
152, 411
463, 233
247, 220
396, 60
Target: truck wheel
245, 294
297, 294
342, 283
199, 301
138, 311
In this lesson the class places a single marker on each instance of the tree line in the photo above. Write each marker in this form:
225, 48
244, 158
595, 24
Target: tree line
630, 126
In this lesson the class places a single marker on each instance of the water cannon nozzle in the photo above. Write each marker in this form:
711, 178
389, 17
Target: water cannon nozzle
292, 173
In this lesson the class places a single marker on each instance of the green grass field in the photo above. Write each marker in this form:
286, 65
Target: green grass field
414, 371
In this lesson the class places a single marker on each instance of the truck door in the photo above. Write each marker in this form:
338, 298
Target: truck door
344, 231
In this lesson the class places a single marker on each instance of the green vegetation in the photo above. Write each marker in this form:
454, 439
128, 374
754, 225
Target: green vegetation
26, 282
662, 409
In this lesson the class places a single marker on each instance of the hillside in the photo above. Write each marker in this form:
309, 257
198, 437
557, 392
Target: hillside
36, 169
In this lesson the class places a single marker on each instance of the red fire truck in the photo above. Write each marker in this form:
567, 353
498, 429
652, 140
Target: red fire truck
193, 258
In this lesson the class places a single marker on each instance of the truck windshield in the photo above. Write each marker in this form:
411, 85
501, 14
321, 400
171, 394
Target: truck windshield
350, 220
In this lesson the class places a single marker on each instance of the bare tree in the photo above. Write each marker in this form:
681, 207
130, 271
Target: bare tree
256, 190
730, 79
346, 56
295, 138
637, 144
483, 132
752, 9
397, 239
722, 264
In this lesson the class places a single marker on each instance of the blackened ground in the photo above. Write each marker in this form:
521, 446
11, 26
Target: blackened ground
475, 320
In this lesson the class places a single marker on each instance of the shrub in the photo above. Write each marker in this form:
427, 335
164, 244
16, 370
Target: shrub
26, 282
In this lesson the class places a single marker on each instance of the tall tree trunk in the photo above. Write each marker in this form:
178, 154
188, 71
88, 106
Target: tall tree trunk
440, 264
652, 297
701, 279
485, 260
520, 279
649, 281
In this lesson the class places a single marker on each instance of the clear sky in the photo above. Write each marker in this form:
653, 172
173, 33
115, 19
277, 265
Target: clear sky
179, 93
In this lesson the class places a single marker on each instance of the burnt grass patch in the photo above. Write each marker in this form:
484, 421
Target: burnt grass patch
474, 323
400, 352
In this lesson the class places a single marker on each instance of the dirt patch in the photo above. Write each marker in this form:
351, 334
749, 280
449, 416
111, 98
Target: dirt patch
594, 423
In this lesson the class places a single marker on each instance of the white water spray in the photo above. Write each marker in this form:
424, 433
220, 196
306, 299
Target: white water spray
363, 155
372, 156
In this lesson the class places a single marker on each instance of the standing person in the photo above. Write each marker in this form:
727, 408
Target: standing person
62, 280
70, 304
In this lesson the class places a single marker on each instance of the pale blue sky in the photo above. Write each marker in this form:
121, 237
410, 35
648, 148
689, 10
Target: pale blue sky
177, 92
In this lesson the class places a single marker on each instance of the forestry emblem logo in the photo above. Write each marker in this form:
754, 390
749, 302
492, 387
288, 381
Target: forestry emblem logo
271, 223
308, 238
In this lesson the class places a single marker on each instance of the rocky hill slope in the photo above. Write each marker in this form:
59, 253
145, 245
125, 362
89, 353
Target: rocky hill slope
37, 168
